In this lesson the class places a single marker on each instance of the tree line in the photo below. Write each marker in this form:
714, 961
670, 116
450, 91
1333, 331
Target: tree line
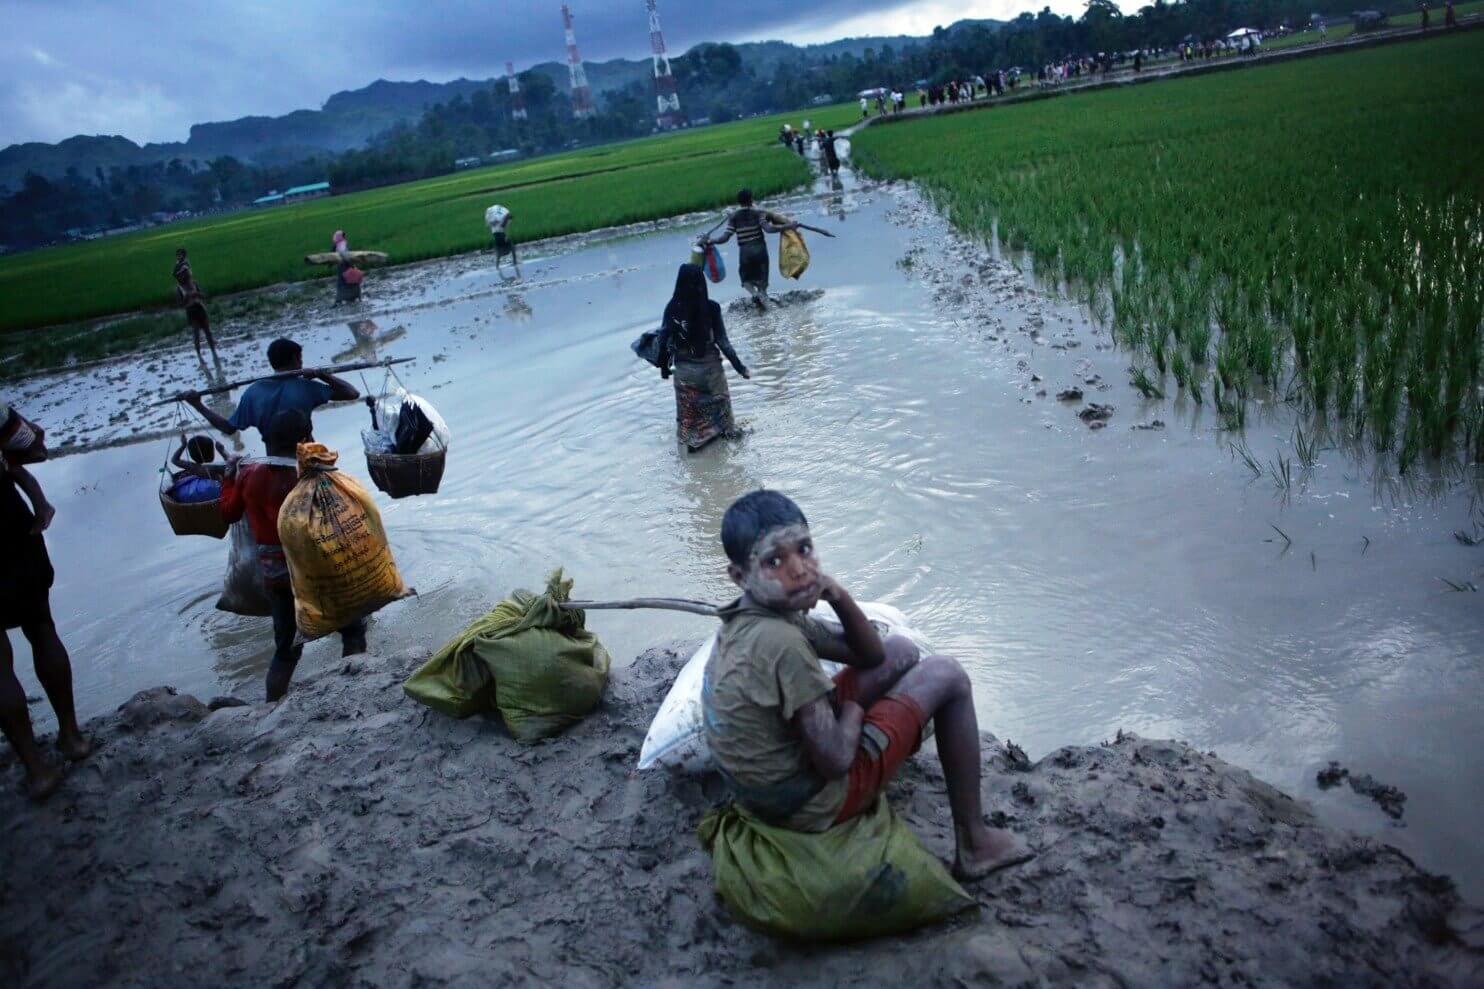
717, 83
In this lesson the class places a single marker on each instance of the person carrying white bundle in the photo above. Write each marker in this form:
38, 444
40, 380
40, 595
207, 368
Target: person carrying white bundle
497, 218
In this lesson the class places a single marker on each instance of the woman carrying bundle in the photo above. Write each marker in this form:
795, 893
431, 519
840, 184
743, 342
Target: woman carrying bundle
347, 275
692, 341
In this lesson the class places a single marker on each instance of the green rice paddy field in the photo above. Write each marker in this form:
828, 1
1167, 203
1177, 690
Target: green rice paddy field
569, 193
1311, 230
1342, 31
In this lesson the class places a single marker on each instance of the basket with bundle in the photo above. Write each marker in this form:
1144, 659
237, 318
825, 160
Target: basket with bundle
192, 498
407, 444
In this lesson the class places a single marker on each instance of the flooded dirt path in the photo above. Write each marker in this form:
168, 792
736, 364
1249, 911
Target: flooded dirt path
1090, 579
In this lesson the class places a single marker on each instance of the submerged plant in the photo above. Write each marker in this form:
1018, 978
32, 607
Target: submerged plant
1145, 385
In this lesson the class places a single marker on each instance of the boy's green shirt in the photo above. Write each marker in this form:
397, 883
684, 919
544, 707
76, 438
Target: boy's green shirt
764, 669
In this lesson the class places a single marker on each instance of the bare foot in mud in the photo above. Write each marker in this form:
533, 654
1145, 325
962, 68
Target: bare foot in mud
43, 784
75, 747
996, 849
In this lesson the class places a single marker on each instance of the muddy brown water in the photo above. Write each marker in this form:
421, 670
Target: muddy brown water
1089, 579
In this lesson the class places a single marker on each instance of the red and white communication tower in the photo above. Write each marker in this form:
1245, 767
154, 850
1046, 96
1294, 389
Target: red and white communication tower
582, 96
667, 114
517, 98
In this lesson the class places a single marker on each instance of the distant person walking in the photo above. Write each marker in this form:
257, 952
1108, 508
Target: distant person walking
26, 577
1426, 16
751, 225
193, 301
692, 340
497, 218
347, 276
1450, 19
865, 108
831, 153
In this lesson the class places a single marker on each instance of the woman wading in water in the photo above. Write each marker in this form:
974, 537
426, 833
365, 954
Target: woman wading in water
692, 340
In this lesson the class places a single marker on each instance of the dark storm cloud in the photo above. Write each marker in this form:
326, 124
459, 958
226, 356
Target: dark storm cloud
148, 69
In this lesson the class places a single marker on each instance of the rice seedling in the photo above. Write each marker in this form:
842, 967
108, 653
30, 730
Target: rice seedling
1233, 225
1241, 450
1145, 385
1306, 447
1281, 471
1233, 410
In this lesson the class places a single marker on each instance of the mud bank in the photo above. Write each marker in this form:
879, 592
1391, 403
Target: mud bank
350, 837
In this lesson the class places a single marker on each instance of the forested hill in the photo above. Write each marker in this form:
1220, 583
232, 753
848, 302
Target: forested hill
350, 119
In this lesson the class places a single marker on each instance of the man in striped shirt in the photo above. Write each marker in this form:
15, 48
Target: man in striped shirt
751, 225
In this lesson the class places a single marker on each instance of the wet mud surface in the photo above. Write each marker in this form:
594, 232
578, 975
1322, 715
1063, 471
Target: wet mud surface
906, 392
347, 836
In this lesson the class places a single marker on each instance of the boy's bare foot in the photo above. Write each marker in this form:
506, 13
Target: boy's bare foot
75, 747
996, 849
43, 784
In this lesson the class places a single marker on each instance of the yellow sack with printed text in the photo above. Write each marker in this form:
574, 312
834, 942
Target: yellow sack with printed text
793, 255
339, 562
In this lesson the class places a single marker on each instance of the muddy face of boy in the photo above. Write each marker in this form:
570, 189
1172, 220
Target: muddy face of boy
782, 571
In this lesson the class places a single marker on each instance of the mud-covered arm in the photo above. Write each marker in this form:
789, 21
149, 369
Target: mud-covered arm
858, 644
830, 739
806, 700
719, 330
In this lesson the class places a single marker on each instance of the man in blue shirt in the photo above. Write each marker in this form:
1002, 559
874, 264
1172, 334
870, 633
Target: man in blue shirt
264, 399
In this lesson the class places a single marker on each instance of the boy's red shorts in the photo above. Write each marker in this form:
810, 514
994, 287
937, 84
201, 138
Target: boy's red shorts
891, 733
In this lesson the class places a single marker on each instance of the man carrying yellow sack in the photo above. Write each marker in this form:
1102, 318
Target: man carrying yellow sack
257, 489
336, 549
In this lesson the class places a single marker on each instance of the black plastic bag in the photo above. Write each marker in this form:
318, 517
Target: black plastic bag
413, 429
648, 346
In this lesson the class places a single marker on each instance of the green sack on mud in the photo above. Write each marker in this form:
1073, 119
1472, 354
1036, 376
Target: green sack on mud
865, 878
529, 658
793, 255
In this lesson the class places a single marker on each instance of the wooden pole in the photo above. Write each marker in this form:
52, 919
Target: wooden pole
656, 604
304, 372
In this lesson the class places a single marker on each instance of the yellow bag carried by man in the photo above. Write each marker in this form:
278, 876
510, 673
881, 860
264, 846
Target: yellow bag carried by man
793, 256
867, 877
339, 562
530, 658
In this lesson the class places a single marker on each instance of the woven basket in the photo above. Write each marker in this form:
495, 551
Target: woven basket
402, 476
199, 518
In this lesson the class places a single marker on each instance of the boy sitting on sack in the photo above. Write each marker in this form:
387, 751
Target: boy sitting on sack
802, 751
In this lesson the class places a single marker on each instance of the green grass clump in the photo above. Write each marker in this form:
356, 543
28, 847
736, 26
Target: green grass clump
570, 193
1313, 229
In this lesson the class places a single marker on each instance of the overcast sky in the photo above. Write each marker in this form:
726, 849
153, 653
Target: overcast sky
148, 69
